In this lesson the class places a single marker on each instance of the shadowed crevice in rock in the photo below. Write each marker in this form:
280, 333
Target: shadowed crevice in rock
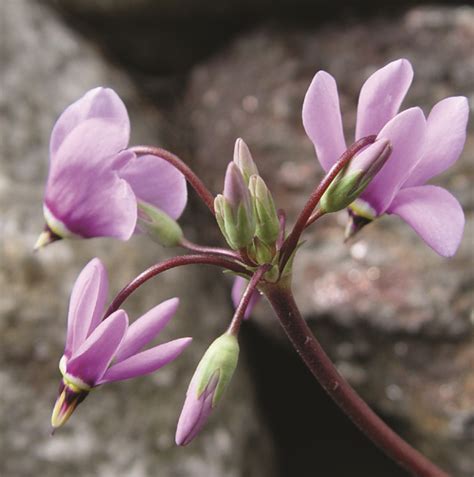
312, 436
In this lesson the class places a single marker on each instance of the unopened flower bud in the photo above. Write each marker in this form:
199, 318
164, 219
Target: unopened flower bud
243, 159
158, 225
209, 382
268, 225
234, 210
355, 177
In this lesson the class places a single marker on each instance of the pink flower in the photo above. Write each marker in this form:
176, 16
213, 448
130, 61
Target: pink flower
422, 149
94, 182
102, 351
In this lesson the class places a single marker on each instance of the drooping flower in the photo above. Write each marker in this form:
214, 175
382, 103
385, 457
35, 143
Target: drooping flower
94, 181
421, 149
99, 352
210, 380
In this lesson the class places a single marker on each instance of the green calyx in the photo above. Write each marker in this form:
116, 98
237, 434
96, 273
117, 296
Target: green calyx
268, 225
220, 361
158, 225
343, 191
236, 224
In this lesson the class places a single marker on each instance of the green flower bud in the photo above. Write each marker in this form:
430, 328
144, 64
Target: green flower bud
220, 360
268, 225
158, 225
234, 211
355, 177
243, 159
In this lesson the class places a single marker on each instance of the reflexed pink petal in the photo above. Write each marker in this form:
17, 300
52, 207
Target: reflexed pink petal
94, 143
86, 305
238, 288
158, 183
83, 192
445, 138
434, 213
195, 412
93, 357
322, 119
406, 132
381, 96
99, 103
147, 327
146, 361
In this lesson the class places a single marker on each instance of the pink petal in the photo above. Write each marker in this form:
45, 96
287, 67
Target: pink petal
196, 410
99, 103
86, 305
84, 191
445, 138
406, 132
93, 357
147, 327
158, 183
435, 215
322, 119
381, 96
146, 361
240, 284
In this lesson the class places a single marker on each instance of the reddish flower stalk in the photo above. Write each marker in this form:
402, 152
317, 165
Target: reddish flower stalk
245, 300
292, 241
224, 252
196, 183
168, 265
340, 391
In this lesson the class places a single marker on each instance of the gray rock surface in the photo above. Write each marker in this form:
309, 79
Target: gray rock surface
396, 318
125, 429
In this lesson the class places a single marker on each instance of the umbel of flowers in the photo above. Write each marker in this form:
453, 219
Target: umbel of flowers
99, 186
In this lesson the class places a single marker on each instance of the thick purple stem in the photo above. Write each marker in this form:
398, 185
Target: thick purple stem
292, 241
168, 265
337, 387
191, 177
224, 252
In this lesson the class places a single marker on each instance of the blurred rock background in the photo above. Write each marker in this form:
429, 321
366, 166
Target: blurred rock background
396, 318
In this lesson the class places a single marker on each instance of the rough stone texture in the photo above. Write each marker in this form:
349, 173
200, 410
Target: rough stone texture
396, 318
125, 429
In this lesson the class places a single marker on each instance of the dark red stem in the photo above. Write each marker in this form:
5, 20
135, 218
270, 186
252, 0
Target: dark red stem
292, 241
168, 265
224, 252
337, 387
191, 177
245, 300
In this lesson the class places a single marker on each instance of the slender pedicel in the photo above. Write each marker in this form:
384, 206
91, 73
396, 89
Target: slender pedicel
245, 300
224, 252
168, 265
191, 177
292, 241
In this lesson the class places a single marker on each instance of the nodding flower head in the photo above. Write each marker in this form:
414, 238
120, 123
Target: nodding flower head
101, 351
95, 182
422, 148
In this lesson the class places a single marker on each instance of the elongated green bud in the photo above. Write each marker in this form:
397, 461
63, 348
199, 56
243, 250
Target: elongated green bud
268, 225
234, 210
158, 225
243, 159
354, 178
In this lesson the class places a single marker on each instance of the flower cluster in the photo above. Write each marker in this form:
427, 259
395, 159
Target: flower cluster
99, 186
